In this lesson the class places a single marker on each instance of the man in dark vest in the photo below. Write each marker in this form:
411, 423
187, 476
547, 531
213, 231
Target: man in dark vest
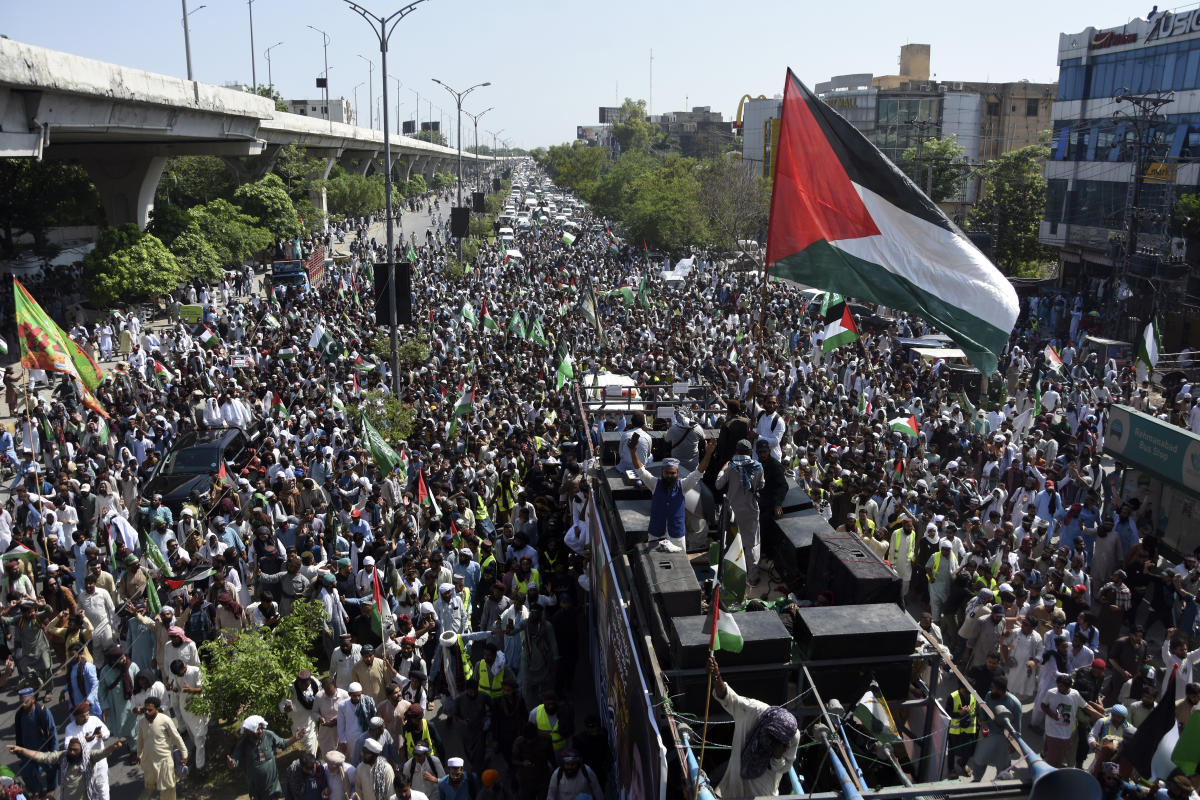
668, 501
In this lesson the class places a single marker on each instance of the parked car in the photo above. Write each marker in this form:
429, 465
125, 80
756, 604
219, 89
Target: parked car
195, 458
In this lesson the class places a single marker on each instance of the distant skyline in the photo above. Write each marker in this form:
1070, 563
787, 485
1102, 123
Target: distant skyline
552, 64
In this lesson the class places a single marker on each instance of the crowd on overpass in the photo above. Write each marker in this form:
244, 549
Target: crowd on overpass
1018, 548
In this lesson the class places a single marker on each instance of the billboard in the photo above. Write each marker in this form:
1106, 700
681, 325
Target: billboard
621, 692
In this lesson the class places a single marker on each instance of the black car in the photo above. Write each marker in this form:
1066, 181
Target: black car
195, 457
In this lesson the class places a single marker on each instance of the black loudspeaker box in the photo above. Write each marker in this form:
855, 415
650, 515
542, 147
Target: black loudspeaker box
635, 521
883, 631
460, 222
477, 202
796, 499
404, 315
668, 582
766, 641
794, 540
383, 290
843, 564
965, 379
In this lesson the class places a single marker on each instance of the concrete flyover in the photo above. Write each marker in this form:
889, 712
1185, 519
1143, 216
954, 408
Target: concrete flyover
123, 124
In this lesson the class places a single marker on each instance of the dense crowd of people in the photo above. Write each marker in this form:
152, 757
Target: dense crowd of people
1022, 553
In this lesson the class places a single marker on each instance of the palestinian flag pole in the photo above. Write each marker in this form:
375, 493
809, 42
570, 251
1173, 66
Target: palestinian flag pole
839, 322
845, 219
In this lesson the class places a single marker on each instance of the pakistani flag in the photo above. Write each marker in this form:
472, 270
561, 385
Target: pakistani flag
905, 425
643, 293
845, 219
839, 322
489, 322
733, 570
568, 238
468, 314
516, 325
153, 604
1149, 346
464, 407
411, 255
723, 631
382, 453
565, 373
733, 356
208, 339
536, 334
873, 714
325, 344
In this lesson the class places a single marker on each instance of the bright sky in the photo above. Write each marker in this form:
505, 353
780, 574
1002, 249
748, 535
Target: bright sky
552, 63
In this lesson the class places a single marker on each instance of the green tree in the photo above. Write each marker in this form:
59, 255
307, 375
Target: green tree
393, 419
267, 201
665, 206
168, 221
249, 673
434, 137
192, 180
1011, 208
939, 169
1185, 221
633, 131
736, 200
611, 196
128, 264
351, 194
40, 195
231, 232
575, 166
443, 180
298, 170
197, 258
415, 186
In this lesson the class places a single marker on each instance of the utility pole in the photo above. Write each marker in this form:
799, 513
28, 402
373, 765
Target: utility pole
253, 58
923, 125
650, 101
187, 35
1143, 117
399, 86
386, 26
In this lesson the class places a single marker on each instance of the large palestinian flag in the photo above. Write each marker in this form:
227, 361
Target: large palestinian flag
845, 219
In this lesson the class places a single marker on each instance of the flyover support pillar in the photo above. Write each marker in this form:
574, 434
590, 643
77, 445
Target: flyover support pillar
126, 184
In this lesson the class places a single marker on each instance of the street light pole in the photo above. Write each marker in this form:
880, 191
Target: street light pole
270, 81
370, 90
475, 118
360, 83
417, 113
187, 35
458, 98
399, 86
253, 58
325, 47
386, 26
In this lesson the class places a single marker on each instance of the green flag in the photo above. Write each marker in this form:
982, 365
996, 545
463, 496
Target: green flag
568, 238
462, 408
537, 335
468, 314
565, 372
325, 344
411, 255
643, 294
157, 558
383, 454
733, 570
516, 325
153, 604
489, 322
